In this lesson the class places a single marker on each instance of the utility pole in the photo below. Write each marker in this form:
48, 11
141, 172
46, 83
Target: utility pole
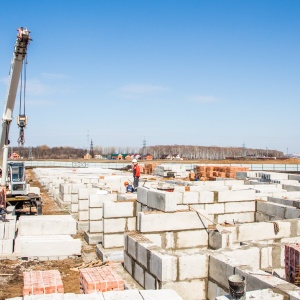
144, 148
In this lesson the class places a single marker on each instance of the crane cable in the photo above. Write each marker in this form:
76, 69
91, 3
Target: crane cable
22, 124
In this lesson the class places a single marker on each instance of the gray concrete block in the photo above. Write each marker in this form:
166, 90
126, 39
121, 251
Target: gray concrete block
163, 266
115, 254
95, 213
164, 201
6, 246
229, 196
93, 238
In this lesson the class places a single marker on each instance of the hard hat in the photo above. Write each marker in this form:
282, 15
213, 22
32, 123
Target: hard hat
125, 183
134, 160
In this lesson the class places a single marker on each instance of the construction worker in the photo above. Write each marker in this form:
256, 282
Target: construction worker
136, 174
129, 187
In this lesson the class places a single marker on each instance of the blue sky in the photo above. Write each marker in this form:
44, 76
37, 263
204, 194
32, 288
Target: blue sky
190, 72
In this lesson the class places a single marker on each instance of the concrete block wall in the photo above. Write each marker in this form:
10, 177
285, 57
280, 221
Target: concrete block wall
225, 205
118, 217
185, 271
7, 235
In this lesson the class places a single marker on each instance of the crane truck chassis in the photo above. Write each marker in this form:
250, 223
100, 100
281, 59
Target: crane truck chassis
14, 190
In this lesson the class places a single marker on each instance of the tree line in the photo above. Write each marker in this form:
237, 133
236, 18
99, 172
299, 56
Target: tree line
158, 152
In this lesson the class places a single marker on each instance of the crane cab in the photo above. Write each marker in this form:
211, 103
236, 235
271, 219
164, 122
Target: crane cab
16, 179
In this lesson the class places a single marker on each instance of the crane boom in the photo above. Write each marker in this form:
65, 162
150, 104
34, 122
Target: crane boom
19, 55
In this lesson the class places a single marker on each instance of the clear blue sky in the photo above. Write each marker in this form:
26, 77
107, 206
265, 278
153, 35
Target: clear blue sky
171, 71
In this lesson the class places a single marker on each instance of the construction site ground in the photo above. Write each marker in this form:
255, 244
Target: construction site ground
11, 271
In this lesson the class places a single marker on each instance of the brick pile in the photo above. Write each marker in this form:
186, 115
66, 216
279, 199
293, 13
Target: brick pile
42, 282
100, 279
292, 262
148, 169
213, 172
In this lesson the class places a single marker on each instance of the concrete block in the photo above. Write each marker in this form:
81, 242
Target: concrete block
128, 263
142, 195
191, 239
139, 274
220, 268
74, 207
229, 196
246, 217
96, 226
113, 254
206, 197
216, 208
192, 290
236, 207
164, 201
114, 225
74, 198
219, 240
47, 245
82, 225
192, 266
163, 266
118, 209
75, 188
46, 225
213, 291
262, 231
8, 229
126, 196
113, 240
130, 224
6, 246
66, 198
83, 204
266, 259
83, 193
95, 213
190, 197
159, 222
93, 238
96, 200
150, 282
83, 215
165, 294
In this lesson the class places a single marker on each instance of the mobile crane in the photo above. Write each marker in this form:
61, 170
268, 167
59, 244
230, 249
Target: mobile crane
13, 182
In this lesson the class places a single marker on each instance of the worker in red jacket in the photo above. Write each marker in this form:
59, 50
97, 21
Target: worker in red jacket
136, 173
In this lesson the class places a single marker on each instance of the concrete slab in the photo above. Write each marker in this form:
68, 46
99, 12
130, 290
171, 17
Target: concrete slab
46, 225
47, 245
122, 295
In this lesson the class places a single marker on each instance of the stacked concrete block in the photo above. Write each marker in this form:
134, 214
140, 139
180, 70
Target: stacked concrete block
155, 268
118, 217
94, 234
47, 237
7, 235
177, 171
257, 295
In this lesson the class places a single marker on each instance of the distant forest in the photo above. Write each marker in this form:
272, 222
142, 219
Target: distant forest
158, 152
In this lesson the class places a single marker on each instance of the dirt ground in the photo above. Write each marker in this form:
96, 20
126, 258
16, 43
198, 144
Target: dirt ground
11, 271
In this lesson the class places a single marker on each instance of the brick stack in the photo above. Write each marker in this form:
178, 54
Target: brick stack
42, 282
149, 169
212, 172
101, 279
292, 262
